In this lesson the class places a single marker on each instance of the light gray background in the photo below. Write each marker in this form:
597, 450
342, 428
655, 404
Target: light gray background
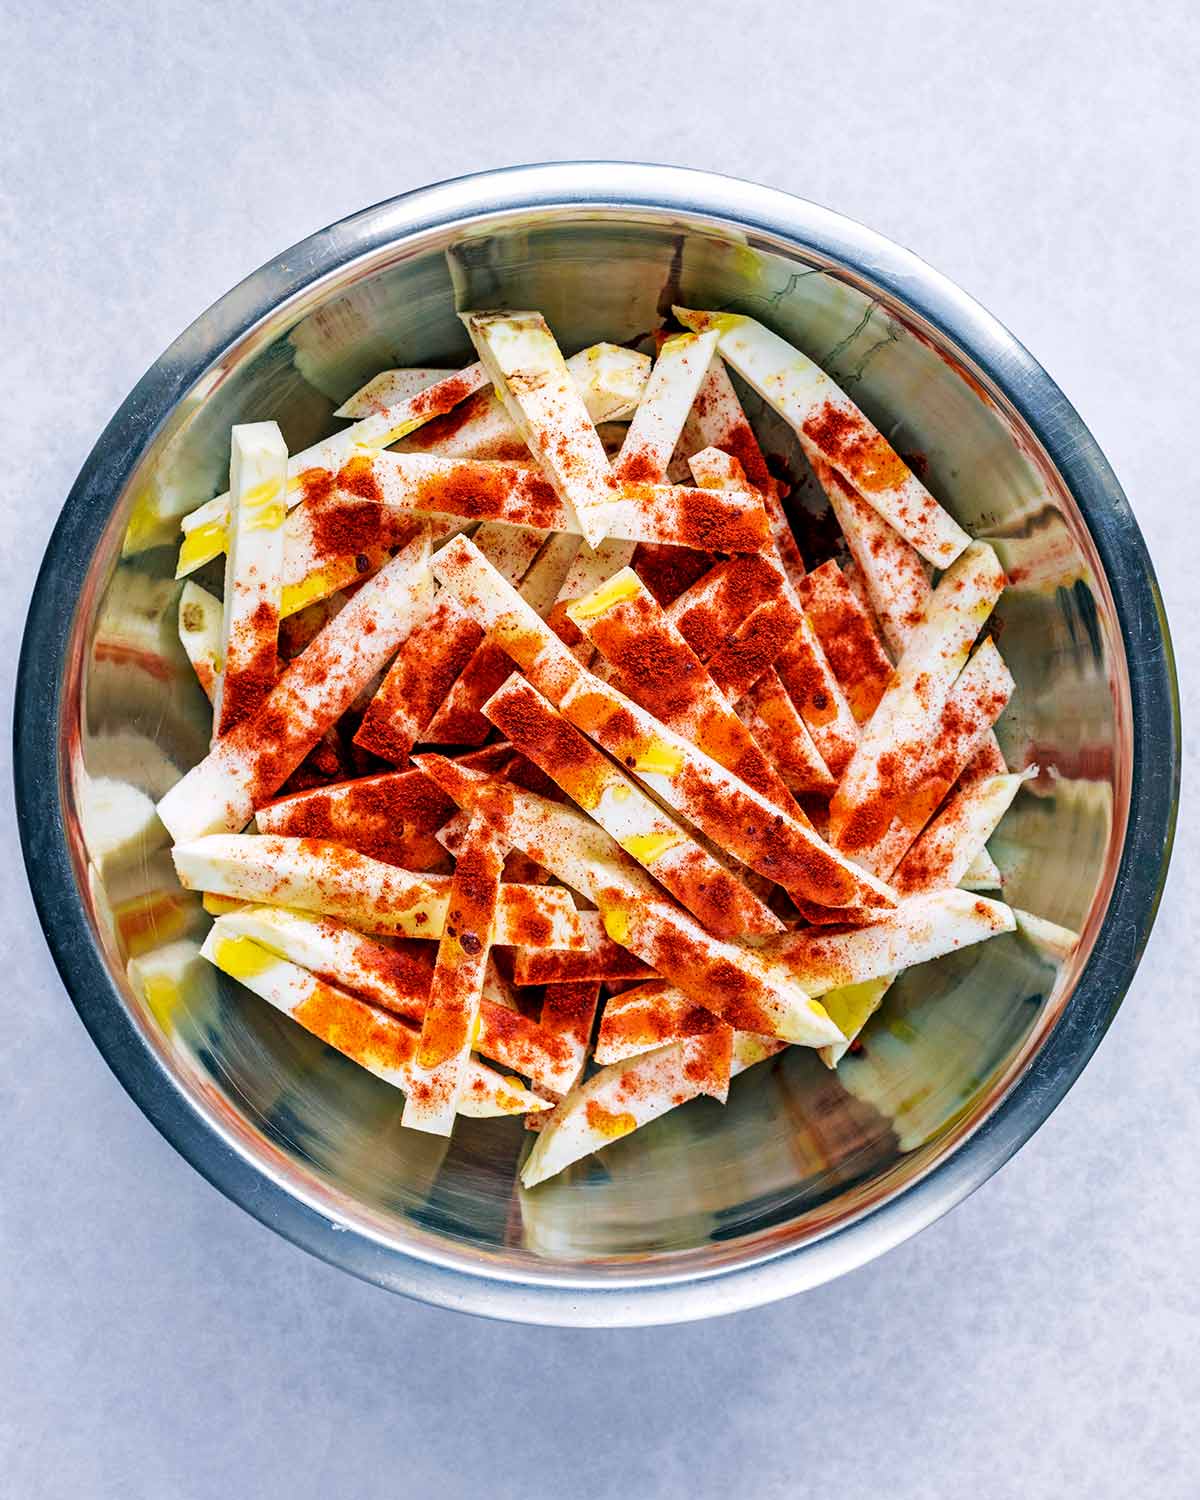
1041, 1341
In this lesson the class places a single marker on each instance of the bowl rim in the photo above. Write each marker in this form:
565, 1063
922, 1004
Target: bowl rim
578, 1299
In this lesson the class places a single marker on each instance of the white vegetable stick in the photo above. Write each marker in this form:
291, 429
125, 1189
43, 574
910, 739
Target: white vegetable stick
249, 765
395, 980
887, 763
717, 420
616, 1102
253, 573
656, 666
773, 719
819, 411
205, 527
319, 877
943, 853
200, 633
375, 1039
619, 1099
982, 874
662, 411
735, 816
387, 388
638, 824
531, 377
420, 483
921, 928
568, 1013
725, 977
610, 378
449, 1024
892, 571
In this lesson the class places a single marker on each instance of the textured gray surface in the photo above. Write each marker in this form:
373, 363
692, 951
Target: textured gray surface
1042, 1340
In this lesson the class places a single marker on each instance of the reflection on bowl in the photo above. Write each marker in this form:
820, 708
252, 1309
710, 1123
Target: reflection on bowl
805, 1172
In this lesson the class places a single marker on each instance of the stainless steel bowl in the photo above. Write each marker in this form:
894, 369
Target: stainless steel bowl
805, 1173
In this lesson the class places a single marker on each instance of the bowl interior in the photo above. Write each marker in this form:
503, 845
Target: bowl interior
798, 1149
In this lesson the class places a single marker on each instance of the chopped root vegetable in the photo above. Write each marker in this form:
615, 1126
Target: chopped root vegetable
732, 814
602, 960
450, 1021
393, 817
944, 852
397, 978
251, 763
616, 802
661, 672
421, 484
336, 882
824, 416
253, 574
887, 764
668, 397
205, 529
921, 928
531, 377
375, 1039
847, 635
712, 763
728, 979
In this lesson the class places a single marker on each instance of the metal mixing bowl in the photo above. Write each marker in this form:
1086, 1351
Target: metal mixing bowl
805, 1173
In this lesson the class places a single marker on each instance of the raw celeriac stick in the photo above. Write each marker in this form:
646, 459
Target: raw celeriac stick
847, 635
449, 1023
387, 388
820, 411
735, 816
478, 489
921, 928
708, 612
982, 874
944, 851
616, 802
772, 718
662, 411
568, 1014
958, 739
459, 720
646, 451
336, 882
530, 375
200, 633
603, 959
398, 979
205, 527
620, 1098
251, 763
375, 1039
253, 573
895, 577
658, 669
801, 662
423, 675
717, 420
726, 978
887, 764
755, 647
393, 817
850, 970
610, 378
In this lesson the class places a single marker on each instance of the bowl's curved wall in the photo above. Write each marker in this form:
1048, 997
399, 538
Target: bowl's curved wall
804, 1172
